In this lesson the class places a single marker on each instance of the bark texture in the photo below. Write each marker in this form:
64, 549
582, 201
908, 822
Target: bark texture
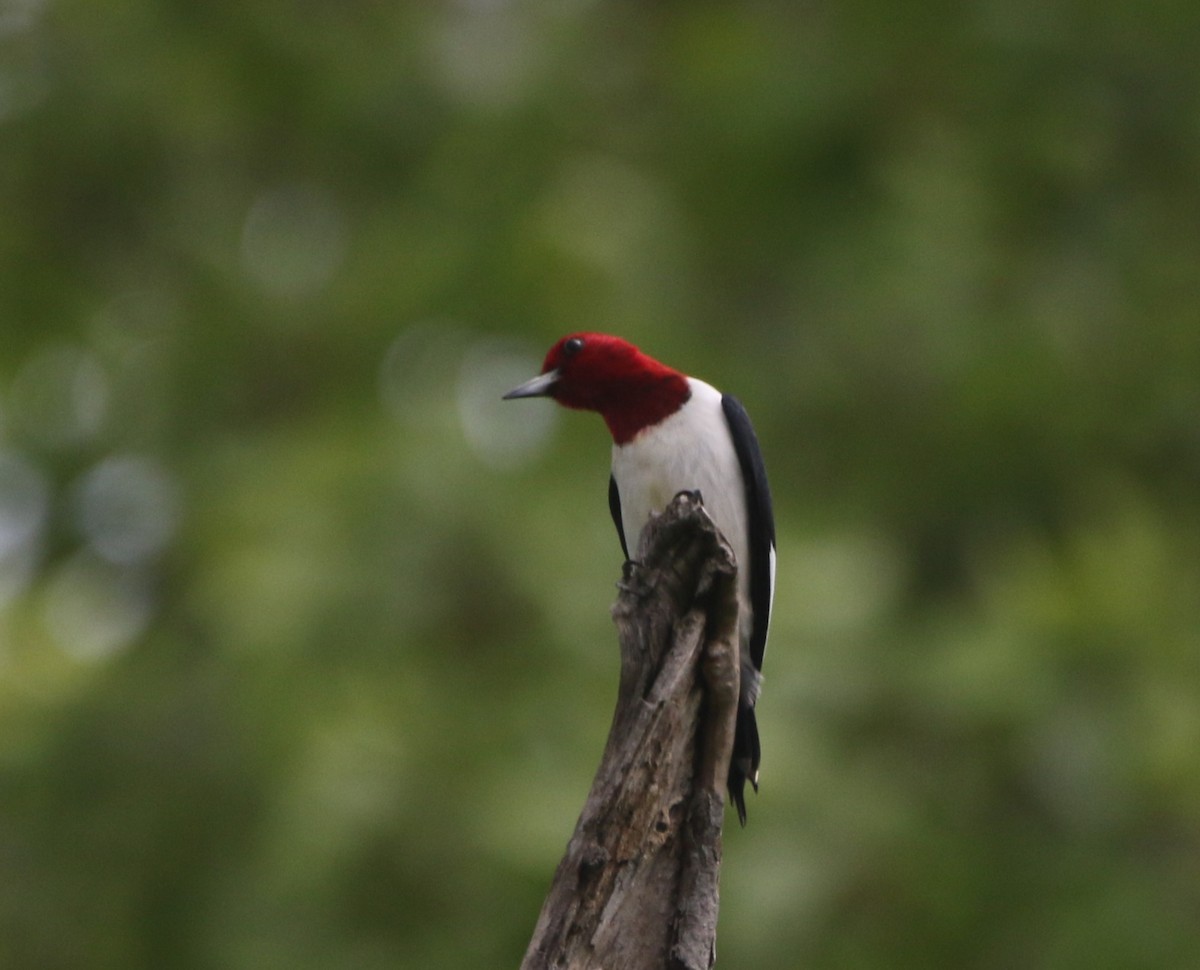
637, 888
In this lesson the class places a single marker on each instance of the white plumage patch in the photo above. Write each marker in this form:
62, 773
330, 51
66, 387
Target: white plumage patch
691, 449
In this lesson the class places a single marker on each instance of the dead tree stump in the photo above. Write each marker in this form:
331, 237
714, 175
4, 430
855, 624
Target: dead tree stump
637, 888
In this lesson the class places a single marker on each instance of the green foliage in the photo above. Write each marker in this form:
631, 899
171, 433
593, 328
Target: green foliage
304, 651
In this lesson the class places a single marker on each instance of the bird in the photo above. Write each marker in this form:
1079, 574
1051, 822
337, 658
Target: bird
673, 433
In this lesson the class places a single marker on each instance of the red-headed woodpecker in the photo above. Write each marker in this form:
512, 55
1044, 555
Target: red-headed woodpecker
674, 433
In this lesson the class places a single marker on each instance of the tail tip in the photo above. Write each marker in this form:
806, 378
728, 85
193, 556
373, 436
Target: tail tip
737, 790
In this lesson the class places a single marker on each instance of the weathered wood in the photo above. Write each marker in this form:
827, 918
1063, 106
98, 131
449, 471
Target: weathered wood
637, 888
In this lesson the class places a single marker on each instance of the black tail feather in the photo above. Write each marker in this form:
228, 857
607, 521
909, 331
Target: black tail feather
743, 764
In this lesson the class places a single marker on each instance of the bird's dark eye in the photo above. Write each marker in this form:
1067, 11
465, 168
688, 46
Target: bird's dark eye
572, 347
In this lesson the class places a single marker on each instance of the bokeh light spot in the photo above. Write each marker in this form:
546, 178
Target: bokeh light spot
24, 500
128, 508
504, 434
24, 505
419, 369
25, 69
485, 56
93, 609
293, 240
19, 16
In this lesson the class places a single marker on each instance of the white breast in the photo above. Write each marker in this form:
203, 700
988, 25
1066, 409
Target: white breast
691, 449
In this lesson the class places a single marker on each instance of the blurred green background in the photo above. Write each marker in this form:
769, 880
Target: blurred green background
305, 656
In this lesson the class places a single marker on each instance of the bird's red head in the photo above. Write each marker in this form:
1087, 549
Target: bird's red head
598, 372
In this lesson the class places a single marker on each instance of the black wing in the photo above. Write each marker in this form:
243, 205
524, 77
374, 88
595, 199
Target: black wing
747, 752
614, 506
761, 524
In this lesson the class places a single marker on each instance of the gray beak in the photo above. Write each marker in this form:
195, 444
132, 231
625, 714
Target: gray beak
540, 386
